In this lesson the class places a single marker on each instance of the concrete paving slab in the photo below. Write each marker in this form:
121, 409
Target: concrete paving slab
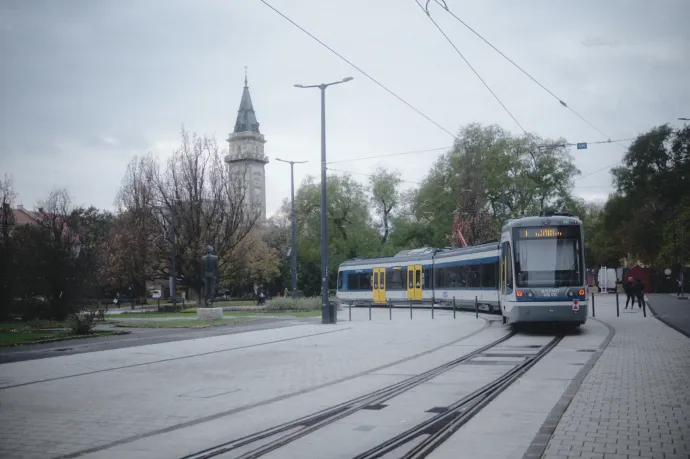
117, 397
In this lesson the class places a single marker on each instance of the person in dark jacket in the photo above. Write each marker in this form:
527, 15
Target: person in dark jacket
629, 288
639, 292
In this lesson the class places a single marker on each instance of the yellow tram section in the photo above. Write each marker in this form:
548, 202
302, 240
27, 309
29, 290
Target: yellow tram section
413, 283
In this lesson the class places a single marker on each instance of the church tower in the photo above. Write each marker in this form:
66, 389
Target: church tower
246, 159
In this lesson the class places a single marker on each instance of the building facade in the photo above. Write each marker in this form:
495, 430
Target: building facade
246, 160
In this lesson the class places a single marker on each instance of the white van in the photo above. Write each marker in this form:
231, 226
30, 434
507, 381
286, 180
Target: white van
607, 280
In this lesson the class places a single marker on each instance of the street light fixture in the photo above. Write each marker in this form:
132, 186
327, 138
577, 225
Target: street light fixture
327, 316
294, 223
684, 119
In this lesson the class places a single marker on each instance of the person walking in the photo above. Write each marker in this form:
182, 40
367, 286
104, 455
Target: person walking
679, 281
639, 292
629, 288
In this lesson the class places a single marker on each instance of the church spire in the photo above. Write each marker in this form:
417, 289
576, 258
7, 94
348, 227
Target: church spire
246, 118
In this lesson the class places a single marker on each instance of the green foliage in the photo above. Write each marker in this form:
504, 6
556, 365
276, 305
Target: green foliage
297, 304
651, 199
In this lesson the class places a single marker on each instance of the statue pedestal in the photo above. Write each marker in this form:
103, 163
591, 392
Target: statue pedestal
209, 313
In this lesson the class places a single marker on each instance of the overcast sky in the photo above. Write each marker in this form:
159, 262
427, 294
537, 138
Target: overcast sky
86, 85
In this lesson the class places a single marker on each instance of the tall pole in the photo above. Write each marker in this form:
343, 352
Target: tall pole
326, 313
682, 262
327, 316
294, 230
173, 249
293, 251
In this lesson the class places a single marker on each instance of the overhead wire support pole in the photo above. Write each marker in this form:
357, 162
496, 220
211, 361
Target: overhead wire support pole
293, 254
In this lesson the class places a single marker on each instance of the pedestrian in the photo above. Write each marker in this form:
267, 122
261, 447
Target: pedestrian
629, 287
639, 292
679, 281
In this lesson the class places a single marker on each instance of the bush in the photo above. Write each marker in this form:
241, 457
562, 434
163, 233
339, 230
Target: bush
83, 323
298, 304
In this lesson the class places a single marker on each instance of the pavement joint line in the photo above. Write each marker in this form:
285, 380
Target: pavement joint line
538, 446
664, 321
212, 417
170, 359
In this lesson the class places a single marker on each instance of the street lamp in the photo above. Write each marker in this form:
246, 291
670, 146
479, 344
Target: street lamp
326, 315
294, 223
684, 119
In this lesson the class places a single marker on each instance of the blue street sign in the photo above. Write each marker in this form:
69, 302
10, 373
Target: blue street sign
582, 146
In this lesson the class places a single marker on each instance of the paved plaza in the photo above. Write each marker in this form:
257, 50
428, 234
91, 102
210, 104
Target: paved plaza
616, 389
635, 402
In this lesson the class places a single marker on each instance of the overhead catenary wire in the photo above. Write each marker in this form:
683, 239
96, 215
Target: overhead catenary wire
361, 71
443, 5
450, 147
471, 67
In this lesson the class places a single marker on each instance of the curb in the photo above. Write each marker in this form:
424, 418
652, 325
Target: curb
664, 321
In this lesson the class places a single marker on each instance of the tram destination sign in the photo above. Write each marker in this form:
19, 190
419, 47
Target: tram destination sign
548, 232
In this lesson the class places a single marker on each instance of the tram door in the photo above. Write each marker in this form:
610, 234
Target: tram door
414, 283
379, 285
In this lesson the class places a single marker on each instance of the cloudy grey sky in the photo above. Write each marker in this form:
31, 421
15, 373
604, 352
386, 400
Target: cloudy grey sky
86, 85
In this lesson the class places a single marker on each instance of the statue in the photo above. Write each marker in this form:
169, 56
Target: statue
209, 275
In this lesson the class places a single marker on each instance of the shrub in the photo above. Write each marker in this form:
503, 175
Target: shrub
83, 323
297, 304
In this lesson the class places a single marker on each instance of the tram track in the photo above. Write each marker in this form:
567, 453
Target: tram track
442, 426
295, 429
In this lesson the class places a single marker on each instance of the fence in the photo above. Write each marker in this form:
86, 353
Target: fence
410, 304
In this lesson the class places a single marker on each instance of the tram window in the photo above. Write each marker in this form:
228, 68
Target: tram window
440, 278
427, 277
359, 281
489, 276
474, 277
396, 279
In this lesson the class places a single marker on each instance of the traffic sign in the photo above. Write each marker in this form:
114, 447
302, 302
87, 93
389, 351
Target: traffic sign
582, 146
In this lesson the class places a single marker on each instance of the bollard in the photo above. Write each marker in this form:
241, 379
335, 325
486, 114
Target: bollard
453, 307
370, 310
390, 310
410, 309
476, 307
432, 309
350, 310
594, 314
618, 308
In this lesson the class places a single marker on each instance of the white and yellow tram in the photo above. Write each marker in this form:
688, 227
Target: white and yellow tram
535, 273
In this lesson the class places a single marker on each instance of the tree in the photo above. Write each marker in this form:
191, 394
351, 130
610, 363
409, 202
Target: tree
385, 198
132, 240
350, 229
651, 192
195, 201
492, 176
252, 262
7, 261
62, 258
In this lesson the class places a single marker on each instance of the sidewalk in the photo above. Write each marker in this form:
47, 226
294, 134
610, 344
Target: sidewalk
635, 402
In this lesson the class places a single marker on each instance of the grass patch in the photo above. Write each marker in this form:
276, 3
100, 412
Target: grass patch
182, 323
16, 333
190, 312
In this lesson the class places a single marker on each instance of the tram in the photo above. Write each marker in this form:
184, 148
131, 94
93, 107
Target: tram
534, 273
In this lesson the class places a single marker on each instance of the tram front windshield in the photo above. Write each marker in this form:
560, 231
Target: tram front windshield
548, 256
